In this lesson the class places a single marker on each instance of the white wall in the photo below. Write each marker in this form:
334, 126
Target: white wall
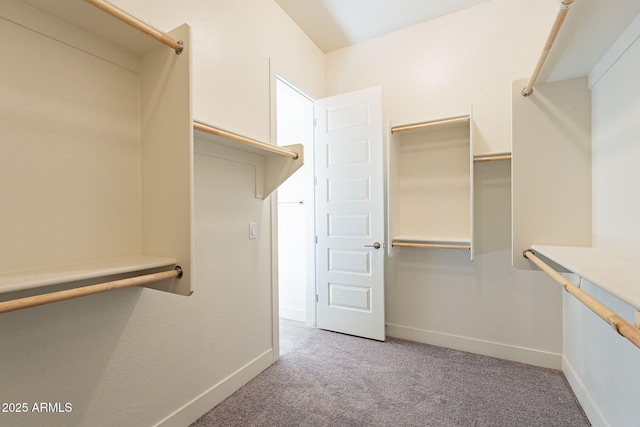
439, 69
602, 366
616, 200
233, 43
137, 356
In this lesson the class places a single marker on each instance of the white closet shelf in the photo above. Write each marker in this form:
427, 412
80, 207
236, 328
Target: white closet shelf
613, 273
234, 140
440, 123
30, 279
432, 241
274, 164
91, 19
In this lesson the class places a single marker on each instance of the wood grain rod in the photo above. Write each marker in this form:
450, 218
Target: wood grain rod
428, 245
492, 158
623, 327
562, 14
137, 24
252, 142
451, 121
33, 301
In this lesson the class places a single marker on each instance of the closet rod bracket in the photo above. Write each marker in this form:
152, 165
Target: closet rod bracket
564, 4
611, 321
180, 47
180, 272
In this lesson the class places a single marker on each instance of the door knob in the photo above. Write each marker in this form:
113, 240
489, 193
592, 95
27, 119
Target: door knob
376, 245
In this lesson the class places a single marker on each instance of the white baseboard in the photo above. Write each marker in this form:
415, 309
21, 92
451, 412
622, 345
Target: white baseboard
225, 388
292, 314
581, 392
487, 348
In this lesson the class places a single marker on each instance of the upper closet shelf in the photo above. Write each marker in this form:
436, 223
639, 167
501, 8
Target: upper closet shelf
441, 123
617, 275
125, 31
277, 162
232, 139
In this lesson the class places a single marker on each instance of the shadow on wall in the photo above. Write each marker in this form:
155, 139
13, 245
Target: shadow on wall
57, 349
492, 206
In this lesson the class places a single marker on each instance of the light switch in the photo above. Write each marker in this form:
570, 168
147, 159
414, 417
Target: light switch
253, 231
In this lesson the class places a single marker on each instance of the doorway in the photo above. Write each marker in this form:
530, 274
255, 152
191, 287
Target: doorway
331, 212
296, 216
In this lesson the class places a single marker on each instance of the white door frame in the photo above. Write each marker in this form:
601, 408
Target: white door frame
309, 210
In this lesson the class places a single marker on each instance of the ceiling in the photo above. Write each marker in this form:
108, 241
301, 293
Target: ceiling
334, 24
591, 27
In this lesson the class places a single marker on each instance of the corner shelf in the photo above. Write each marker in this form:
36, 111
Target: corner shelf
430, 180
274, 164
101, 178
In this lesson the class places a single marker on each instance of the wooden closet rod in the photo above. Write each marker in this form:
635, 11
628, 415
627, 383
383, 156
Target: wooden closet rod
562, 14
492, 158
428, 245
19, 304
252, 142
621, 326
450, 121
137, 24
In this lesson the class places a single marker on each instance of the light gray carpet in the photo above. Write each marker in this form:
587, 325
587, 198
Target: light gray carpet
331, 379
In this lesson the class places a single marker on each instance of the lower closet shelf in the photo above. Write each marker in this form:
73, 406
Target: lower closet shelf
611, 272
30, 279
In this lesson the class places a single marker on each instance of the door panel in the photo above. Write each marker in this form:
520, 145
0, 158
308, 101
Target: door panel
350, 216
349, 225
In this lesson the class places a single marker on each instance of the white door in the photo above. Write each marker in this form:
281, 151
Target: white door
350, 215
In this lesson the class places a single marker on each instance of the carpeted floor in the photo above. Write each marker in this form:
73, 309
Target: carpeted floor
331, 379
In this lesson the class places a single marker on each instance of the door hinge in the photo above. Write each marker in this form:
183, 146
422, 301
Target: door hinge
316, 240
317, 298
315, 122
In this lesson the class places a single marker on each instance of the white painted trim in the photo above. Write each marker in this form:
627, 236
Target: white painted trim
630, 35
294, 314
583, 396
216, 394
275, 280
529, 356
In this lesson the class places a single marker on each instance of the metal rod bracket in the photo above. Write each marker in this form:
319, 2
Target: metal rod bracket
180, 47
180, 272
564, 4
613, 324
